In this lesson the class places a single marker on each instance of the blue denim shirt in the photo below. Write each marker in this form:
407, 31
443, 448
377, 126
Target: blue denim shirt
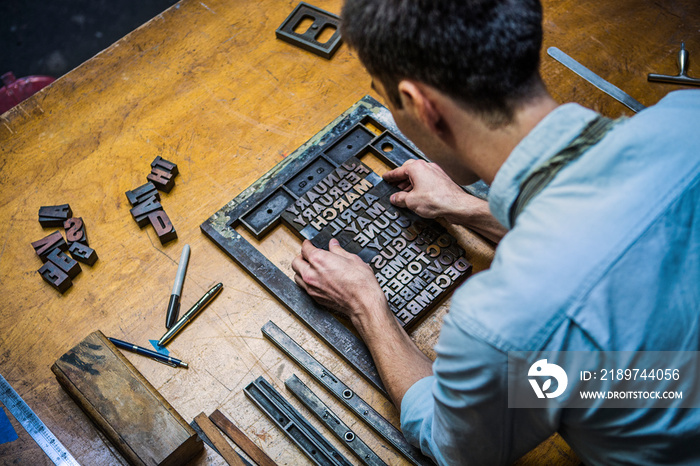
606, 257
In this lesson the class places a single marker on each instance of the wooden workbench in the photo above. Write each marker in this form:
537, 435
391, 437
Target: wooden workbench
208, 86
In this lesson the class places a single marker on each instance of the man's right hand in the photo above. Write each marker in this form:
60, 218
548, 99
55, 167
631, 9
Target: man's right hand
430, 192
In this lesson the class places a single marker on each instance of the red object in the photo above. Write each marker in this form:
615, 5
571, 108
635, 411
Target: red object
16, 90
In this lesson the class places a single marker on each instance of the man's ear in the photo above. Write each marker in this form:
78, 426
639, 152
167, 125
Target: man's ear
416, 101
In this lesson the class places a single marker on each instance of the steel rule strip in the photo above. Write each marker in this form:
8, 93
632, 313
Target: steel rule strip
605, 86
34, 426
297, 428
343, 393
324, 414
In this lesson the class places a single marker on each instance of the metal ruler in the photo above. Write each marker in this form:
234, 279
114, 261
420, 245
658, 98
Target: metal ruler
610, 89
33, 425
344, 394
282, 413
331, 420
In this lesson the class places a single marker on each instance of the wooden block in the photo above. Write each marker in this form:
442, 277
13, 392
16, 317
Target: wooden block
50, 222
163, 226
141, 211
240, 439
138, 421
142, 193
75, 231
65, 263
162, 179
52, 216
225, 450
53, 275
161, 163
44, 246
83, 253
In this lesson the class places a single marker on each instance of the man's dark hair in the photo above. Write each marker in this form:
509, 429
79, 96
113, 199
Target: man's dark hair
482, 53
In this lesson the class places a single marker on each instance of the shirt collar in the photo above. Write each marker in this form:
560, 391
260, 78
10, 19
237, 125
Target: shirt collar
550, 135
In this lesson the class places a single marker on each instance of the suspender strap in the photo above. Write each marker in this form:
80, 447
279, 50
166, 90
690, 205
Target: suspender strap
541, 177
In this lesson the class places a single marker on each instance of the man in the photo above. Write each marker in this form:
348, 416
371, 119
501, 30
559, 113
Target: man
602, 250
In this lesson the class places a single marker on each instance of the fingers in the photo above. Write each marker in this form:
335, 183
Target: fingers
399, 199
300, 281
335, 247
398, 174
405, 185
307, 248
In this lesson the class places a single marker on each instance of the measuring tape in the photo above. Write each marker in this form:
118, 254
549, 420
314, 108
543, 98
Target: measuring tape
33, 425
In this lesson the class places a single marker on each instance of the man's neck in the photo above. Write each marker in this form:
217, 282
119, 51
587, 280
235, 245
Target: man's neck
485, 149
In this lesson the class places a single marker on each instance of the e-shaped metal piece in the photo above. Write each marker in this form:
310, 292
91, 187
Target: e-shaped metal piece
682, 77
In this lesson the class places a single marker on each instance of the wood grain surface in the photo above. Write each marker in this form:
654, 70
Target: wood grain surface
216, 437
240, 438
207, 85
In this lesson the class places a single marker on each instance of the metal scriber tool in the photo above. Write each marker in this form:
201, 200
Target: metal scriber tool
682, 76
610, 89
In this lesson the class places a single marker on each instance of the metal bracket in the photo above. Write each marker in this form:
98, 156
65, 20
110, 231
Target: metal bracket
324, 414
308, 40
304, 435
344, 394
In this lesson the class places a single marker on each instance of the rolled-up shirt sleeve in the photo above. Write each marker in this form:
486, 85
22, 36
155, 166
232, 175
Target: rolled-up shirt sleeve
460, 415
417, 415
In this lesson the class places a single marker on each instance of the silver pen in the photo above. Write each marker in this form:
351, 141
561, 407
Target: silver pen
191, 314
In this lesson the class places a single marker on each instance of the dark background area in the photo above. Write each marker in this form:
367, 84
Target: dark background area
39, 37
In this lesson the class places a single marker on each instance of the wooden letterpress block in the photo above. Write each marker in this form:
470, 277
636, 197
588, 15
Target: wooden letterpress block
131, 413
141, 211
54, 215
53, 275
44, 246
75, 231
140, 194
83, 253
162, 179
65, 263
163, 226
161, 163
51, 222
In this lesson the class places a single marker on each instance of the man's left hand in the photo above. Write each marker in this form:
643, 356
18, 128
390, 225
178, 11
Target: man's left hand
338, 279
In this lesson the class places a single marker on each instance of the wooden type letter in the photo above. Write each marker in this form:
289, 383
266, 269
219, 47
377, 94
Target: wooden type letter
131, 413
140, 194
54, 215
83, 253
165, 165
141, 211
163, 226
162, 179
53, 275
51, 222
65, 263
44, 246
75, 231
